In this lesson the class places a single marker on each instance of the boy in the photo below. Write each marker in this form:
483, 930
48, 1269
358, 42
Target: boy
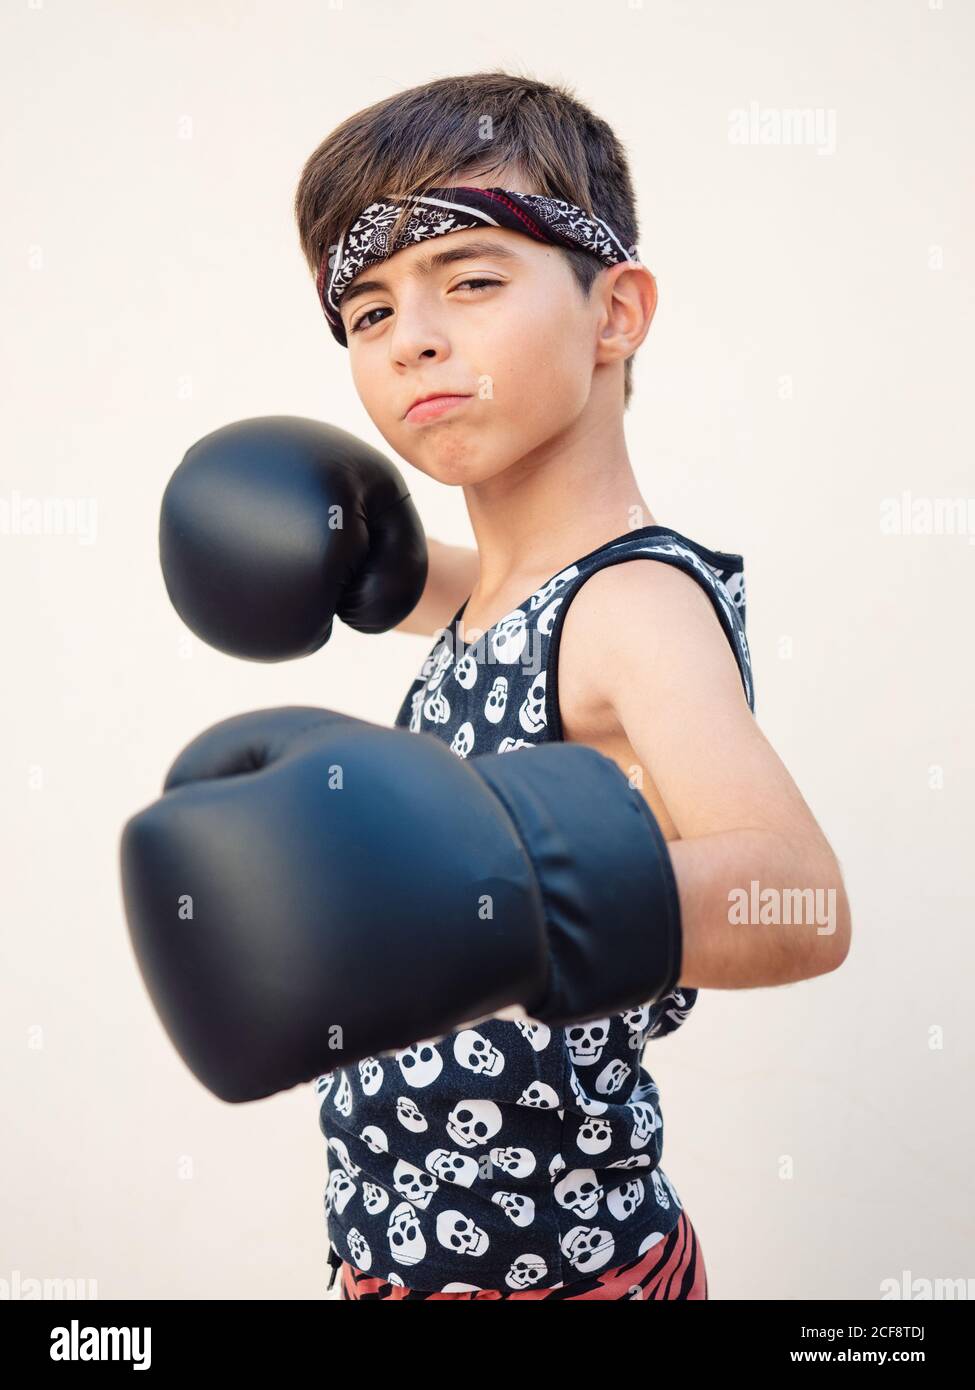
473, 242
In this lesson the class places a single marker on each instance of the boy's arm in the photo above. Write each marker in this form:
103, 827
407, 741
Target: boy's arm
451, 576
669, 677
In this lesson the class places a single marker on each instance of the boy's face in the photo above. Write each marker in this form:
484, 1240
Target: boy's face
519, 344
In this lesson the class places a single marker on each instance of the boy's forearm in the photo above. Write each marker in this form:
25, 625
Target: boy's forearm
758, 909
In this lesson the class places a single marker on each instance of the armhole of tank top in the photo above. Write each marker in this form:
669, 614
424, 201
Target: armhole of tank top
553, 715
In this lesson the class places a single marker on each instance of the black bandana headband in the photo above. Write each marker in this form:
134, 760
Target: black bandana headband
442, 210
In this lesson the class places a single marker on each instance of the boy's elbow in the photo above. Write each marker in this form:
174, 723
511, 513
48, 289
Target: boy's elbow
843, 933
834, 925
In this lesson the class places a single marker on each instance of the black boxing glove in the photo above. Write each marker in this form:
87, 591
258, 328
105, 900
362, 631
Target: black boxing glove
269, 527
312, 889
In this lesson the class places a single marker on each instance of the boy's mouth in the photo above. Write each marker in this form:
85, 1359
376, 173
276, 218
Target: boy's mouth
430, 407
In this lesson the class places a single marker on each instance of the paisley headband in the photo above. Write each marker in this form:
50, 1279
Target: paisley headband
457, 209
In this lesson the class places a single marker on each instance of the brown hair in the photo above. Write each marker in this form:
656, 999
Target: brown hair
462, 126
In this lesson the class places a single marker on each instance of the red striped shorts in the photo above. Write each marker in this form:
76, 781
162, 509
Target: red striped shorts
673, 1268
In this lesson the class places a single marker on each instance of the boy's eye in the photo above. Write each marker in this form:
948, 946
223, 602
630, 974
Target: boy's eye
477, 286
476, 282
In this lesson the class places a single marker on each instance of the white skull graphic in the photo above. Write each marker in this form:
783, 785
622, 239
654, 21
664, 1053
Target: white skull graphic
671, 1189
497, 700
420, 1064
508, 744
359, 1249
633, 1161
580, 1191
586, 1041
413, 1184
646, 1122
546, 618
541, 596
517, 1163
374, 1198
736, 589
457, 1232
406, 1242
341, 1152
526, 1272
465, 672
509, 637
531, 716
410, 1116
442, 663
473, 1122
647, 1090
586, 1103
374, 1138
463, 740
519, 1207
416, 710
595, 1136
450, 1166
437, 708
637, 1020
473, 1051
613, 1077
338, 1192
370, 1075
343, 1096
540, 1095
538, 1034
623, 1201
587, 1248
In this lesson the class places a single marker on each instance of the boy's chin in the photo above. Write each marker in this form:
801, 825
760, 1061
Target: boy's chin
457, 463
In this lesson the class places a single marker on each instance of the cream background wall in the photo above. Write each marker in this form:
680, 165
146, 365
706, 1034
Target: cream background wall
811, 357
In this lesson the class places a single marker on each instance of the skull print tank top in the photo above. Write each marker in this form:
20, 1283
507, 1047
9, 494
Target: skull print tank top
510, 1155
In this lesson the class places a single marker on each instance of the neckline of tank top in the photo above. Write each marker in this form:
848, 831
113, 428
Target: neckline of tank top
713, 556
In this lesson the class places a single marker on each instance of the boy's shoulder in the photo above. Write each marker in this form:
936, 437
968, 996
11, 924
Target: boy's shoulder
634, 621
642, 600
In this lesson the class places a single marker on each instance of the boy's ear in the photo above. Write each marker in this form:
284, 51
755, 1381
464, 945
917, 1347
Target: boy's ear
629, 301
